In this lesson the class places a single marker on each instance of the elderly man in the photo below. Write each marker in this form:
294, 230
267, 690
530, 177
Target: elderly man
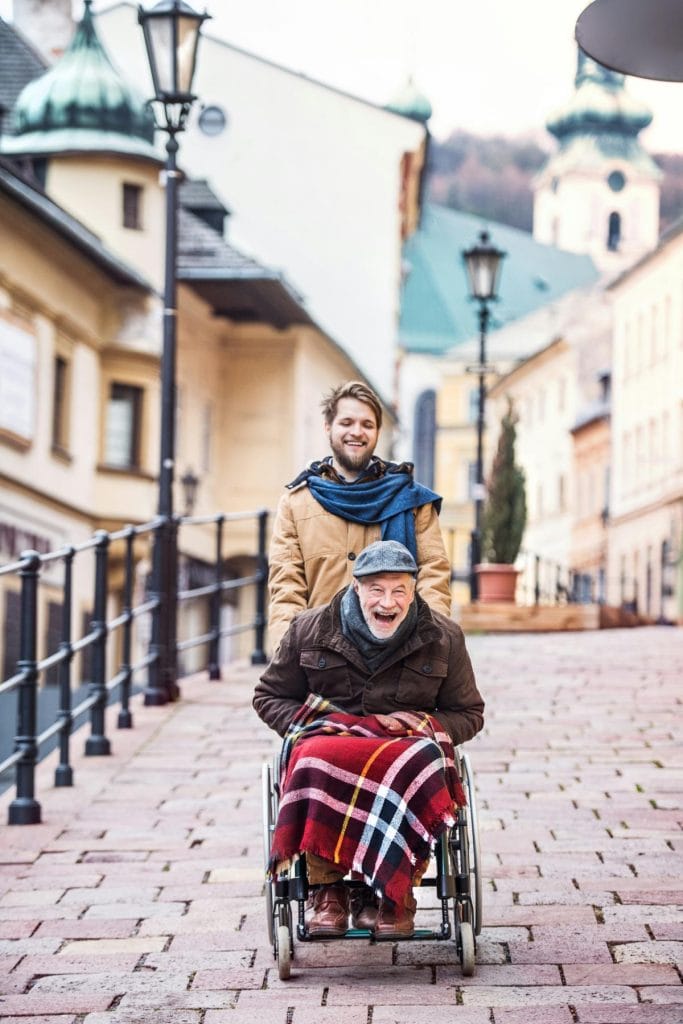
339, 505
371, 692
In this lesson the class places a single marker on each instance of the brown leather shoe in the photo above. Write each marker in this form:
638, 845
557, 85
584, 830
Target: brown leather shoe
394, 922
363, 907
330, 911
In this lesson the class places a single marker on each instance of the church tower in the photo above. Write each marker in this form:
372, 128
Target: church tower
599, 192
87, 136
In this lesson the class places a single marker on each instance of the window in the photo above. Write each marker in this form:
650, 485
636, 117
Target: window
614, 232
53, 636
561, 493
473, 406
425, 435
122, 430
206, 437
60, 405
471, 480
132, 206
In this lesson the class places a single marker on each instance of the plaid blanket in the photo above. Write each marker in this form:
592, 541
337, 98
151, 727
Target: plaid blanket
363, 798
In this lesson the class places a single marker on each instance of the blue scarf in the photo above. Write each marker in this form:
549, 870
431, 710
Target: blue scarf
389, 501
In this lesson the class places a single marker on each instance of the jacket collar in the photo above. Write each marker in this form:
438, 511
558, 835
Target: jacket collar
329, 634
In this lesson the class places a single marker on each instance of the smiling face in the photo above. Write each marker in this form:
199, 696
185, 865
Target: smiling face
385, 599
353, 436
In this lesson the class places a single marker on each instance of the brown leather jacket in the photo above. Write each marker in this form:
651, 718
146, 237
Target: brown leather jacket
312, 553
430, 672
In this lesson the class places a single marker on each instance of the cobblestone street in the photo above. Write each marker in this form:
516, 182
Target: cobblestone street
140, 897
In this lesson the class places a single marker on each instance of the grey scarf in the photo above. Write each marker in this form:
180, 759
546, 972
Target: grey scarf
374, 649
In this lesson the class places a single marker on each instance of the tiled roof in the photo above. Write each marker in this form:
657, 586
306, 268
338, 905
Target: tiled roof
202, 249
235, 285
436, 310
196, 193
19, 65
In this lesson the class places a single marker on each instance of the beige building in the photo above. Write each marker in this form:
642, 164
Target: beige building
592, 456
646, 506
80, 320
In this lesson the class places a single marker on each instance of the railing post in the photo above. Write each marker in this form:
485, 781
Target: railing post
125, 720
155, 691
215, 608
64, 775
172, 687
258, 656
97, 743
24, 809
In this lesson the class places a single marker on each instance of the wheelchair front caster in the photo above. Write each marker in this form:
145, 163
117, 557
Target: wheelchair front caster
284, 952
466, 948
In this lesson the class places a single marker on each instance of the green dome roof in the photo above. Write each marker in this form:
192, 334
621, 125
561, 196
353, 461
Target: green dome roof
410, 102
600, 104
82, 104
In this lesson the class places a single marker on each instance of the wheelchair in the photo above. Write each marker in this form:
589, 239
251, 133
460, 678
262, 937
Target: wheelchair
456, 879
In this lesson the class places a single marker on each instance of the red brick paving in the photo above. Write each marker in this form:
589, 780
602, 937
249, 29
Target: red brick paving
138, 900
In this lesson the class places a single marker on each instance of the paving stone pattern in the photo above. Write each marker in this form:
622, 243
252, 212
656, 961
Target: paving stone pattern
139, 899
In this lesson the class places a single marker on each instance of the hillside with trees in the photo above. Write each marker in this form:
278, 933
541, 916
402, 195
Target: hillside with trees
492, 177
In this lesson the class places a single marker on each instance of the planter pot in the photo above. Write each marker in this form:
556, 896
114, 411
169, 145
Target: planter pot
497, 582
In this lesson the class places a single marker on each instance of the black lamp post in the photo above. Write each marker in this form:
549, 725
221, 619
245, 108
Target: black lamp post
483, 262
171, 30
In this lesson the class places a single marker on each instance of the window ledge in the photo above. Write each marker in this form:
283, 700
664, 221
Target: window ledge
134, 471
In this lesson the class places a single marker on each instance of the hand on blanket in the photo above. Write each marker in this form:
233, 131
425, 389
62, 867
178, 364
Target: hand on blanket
397, 727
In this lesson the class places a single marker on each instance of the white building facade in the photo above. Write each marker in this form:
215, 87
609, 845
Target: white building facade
646, 507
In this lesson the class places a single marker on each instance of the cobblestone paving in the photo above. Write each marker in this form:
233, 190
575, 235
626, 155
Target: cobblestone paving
139, 900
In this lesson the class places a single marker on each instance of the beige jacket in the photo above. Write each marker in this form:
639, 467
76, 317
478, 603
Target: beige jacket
312, 554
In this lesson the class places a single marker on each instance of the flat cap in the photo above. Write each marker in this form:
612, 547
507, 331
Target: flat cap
384, 556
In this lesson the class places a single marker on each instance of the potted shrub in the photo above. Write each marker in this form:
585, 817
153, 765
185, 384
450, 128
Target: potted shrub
503, 518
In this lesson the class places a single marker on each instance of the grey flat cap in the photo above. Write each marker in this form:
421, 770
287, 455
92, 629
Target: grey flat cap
384, 556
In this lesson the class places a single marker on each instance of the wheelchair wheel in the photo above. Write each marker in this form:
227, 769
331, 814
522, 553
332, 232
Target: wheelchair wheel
282, 946
476, 886
268, 811
465, 945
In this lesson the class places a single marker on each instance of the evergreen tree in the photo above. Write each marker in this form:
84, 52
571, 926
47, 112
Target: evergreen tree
504, 514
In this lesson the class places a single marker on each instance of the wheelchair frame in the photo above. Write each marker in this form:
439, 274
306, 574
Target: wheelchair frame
458, 879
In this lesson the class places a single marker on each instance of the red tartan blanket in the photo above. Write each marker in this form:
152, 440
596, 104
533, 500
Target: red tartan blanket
363, 798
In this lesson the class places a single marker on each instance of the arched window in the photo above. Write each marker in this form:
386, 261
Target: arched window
614, 231
423, 441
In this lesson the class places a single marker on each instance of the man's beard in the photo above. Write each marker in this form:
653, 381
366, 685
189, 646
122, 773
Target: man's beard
352, 464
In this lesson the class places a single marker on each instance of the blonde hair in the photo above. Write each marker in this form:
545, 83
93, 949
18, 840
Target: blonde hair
351, 389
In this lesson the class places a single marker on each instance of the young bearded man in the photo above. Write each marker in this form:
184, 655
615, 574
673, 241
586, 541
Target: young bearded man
339, 505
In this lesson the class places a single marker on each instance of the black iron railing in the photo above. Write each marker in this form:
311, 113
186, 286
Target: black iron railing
113, 671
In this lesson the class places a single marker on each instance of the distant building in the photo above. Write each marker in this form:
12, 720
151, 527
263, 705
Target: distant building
646, 503
599, 192
553, 392
81, 336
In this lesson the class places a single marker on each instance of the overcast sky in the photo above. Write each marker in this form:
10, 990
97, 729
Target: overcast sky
488, 66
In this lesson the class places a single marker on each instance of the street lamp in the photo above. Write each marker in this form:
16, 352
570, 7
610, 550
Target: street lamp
190, 483
171, 31
483, 263
635, 37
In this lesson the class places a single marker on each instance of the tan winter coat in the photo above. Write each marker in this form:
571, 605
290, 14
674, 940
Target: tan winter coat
312, 554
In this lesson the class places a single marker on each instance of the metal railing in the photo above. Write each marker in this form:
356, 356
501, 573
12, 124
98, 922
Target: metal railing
113, 673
